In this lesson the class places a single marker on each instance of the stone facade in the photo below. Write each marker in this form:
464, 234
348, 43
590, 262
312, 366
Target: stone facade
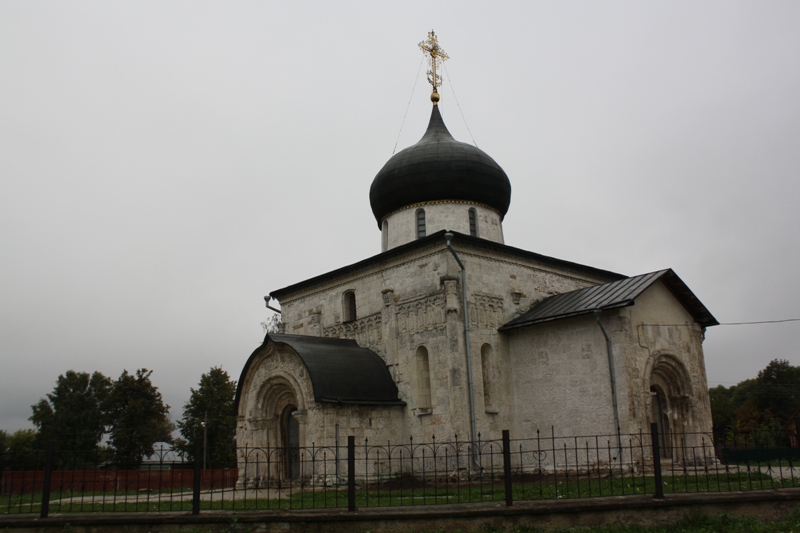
401, 226
655, 343
409, 311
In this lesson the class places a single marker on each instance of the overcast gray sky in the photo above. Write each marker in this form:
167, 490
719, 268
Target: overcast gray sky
166, 164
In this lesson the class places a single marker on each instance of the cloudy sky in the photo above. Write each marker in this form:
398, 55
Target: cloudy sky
164, 165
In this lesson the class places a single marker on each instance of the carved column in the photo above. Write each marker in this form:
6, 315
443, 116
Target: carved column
389, 330
451, 295
316, 324
302, 427
455, 330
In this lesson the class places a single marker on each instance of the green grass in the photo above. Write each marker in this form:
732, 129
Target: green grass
94, 502
423, 494
775, 463
722, 523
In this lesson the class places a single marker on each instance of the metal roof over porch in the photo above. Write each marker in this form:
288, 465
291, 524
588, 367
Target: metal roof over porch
612, 295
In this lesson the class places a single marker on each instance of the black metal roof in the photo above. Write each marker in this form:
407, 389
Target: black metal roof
340, 370
438, 238
439, 167
621, 293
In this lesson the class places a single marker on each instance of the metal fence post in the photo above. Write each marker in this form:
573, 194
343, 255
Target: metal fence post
507, 467
796, 431
198, 454
656, 461
351, 473
48, 478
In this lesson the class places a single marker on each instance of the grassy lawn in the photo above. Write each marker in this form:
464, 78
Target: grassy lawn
723, 523
394, 494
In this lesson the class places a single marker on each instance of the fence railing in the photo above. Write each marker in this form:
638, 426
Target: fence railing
121, 481
364, 473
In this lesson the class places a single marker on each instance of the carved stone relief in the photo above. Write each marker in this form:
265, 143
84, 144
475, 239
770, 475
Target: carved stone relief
421, 314
486, 311
365, 331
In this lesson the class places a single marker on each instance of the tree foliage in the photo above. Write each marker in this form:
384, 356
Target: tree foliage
273, 324
211, 404
3, 450
20, 450
778, 394
766, 401
72, 415
137, 418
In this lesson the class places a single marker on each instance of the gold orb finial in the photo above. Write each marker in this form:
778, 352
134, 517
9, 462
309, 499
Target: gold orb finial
436, 55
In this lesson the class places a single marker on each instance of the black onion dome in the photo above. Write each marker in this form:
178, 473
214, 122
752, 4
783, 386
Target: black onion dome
439, 167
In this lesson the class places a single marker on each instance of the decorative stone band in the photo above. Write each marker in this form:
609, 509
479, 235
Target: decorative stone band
418, 315
365, 331
421, 314
486, 311
439, 202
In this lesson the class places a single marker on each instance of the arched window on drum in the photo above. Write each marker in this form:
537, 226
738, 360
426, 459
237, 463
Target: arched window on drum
420, 223
473, 222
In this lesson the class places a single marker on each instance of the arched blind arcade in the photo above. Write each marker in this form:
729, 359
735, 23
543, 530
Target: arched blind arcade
349, 306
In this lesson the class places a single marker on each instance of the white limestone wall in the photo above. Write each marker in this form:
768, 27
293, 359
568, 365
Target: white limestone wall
402, 225
551, 374
659, 333
416, 301
560, 372
560, 378
506, 285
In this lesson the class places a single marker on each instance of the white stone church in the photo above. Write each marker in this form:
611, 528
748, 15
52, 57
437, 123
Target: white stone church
451, 332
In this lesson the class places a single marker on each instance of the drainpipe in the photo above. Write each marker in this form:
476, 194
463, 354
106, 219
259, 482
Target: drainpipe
266, 300
612, 375
474, 434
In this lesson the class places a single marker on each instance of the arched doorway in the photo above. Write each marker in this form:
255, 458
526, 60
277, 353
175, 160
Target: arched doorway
282, 408
660, 415
669, 387
290, 437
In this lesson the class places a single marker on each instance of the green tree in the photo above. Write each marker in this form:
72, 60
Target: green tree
766, 401
137, 418
3, 449
210, 413
723, 410
778, 393
72, 415
21, 451
742, 391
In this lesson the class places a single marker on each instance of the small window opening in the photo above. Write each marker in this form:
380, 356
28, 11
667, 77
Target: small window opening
349, 306
385, 235
420, 223
473, 222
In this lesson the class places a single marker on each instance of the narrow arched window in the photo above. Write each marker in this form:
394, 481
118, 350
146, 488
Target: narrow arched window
473, 222
349, 306
423, 380
385, 236
420, 223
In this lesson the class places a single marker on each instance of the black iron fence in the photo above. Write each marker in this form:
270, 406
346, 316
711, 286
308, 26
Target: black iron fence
364, 473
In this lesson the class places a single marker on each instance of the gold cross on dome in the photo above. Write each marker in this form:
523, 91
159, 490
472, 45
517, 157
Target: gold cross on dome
436, 55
